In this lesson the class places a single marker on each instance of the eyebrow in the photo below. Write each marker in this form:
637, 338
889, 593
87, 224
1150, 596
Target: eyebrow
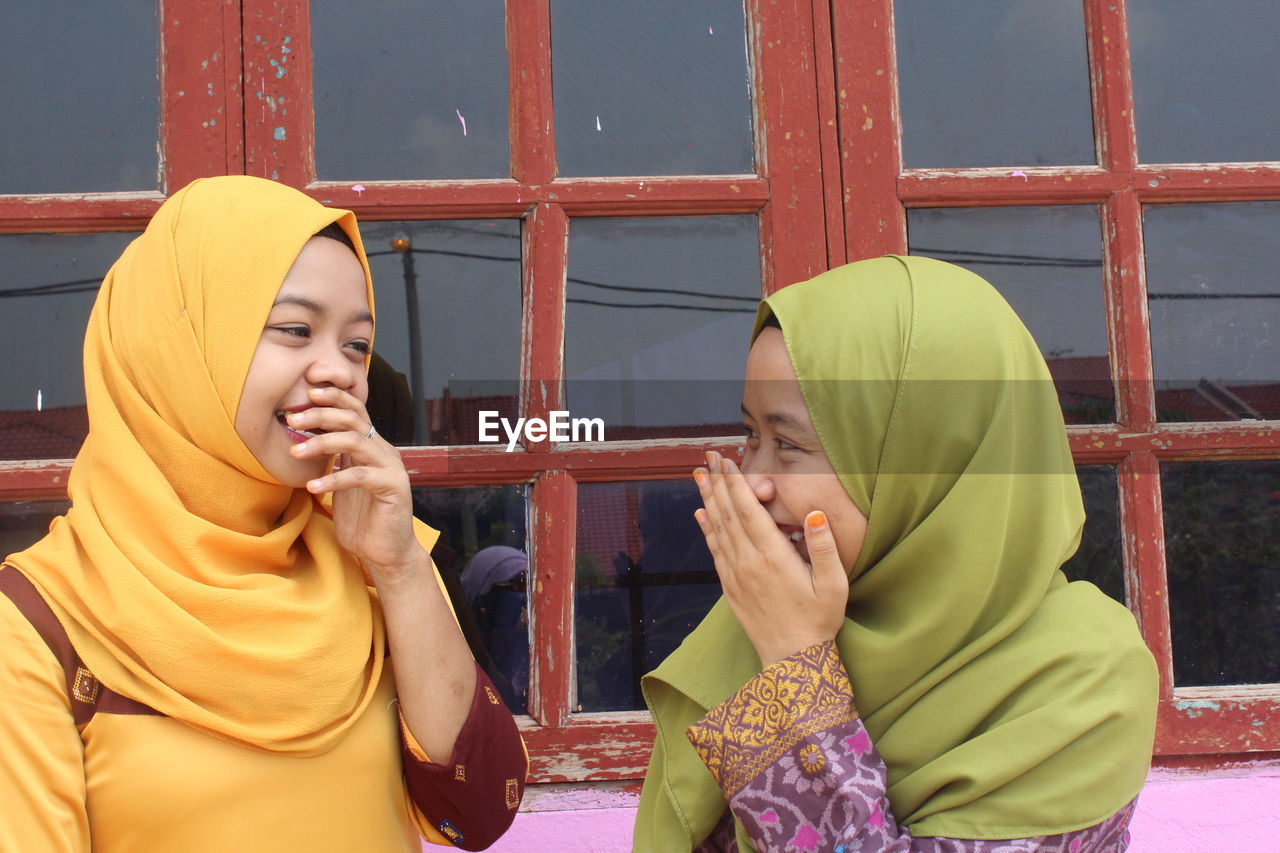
317, 308
781, 419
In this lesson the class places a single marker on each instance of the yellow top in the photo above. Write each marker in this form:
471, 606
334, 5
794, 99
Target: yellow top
144, 782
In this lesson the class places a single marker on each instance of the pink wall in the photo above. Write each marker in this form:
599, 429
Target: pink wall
1235, 810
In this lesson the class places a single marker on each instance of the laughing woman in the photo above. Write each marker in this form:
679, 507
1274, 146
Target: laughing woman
206, 652
897, 663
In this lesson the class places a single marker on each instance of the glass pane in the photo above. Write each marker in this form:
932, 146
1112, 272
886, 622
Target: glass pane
465, 278
1047, 262
1205, 80
644, 580
1099, 559
1223, 562
50, 283
654, 88
22, 523
481, 554
658, 322
410, 89
993, 83
1215, 310
81, 96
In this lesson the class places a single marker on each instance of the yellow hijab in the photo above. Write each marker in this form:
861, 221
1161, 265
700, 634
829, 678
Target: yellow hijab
186, 577
1006, 702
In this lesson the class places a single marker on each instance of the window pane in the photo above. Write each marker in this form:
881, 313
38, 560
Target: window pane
993, 83
1223, 558
22, 523
1205, 80
465, 277
1099, 560
644, 580
481, 556
81, 96
50, 283
410, 89
654, 88
1215, 310
658, 322
1047, 262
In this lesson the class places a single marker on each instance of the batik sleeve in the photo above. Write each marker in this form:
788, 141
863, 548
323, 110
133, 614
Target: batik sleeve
800, 772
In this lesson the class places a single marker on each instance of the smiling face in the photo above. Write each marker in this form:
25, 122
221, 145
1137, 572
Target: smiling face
317, 335
785, 463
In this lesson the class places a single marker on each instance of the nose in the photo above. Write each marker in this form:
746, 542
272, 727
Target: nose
758, 477
331, 366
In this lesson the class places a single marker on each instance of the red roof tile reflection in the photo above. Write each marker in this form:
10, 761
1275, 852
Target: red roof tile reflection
49, 434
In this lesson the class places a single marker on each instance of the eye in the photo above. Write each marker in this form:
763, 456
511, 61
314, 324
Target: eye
783, 444
297, 331
753, 438
361, 347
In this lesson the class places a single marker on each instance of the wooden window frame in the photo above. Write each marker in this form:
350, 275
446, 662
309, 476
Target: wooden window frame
1193, 722
825, 100
210, 51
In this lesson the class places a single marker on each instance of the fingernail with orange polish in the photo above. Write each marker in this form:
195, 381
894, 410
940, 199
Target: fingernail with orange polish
700, 476
816, 520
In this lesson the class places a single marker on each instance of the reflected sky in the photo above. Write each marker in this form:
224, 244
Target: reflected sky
410, 89
654, 88
1205, 80
993, 83
82, 90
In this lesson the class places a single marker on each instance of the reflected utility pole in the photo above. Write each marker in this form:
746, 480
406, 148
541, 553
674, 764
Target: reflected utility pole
404, 248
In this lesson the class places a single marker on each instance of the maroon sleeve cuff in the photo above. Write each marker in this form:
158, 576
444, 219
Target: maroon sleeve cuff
472, 799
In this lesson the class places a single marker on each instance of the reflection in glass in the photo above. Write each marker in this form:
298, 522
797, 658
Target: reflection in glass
1047, 263
410, 89
50, 282
654, 88
464, 278
1223, 564
993, 83
23, 523
81, 96
644, 580
481, 558
1098, 559
1215, 310
658, 322
1204, 83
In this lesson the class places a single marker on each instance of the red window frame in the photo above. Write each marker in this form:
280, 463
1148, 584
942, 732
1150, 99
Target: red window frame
240, 41
829, 187
1193, 721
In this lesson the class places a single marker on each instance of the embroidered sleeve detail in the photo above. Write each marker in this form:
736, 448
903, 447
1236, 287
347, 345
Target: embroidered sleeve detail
790, 700
472, 799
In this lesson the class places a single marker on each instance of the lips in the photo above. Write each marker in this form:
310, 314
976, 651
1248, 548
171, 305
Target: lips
795, 535
297, 436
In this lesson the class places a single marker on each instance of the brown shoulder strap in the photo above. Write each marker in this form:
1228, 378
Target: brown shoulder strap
82, 687
86, 692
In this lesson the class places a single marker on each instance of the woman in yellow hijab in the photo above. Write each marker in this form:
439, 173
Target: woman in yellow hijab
897, 663
206, 652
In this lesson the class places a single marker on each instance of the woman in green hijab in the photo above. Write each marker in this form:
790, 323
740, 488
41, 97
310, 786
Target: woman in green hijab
897, 663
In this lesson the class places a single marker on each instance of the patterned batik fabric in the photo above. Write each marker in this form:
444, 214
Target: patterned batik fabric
800, 773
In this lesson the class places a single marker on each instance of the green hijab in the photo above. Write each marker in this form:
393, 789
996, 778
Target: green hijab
1005, 701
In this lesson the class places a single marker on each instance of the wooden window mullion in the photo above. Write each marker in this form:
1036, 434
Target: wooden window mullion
1127, 317
875, 222
279, 113
553, 511
1111, 79
1141, 523
532, 114
201, 120
788, 133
